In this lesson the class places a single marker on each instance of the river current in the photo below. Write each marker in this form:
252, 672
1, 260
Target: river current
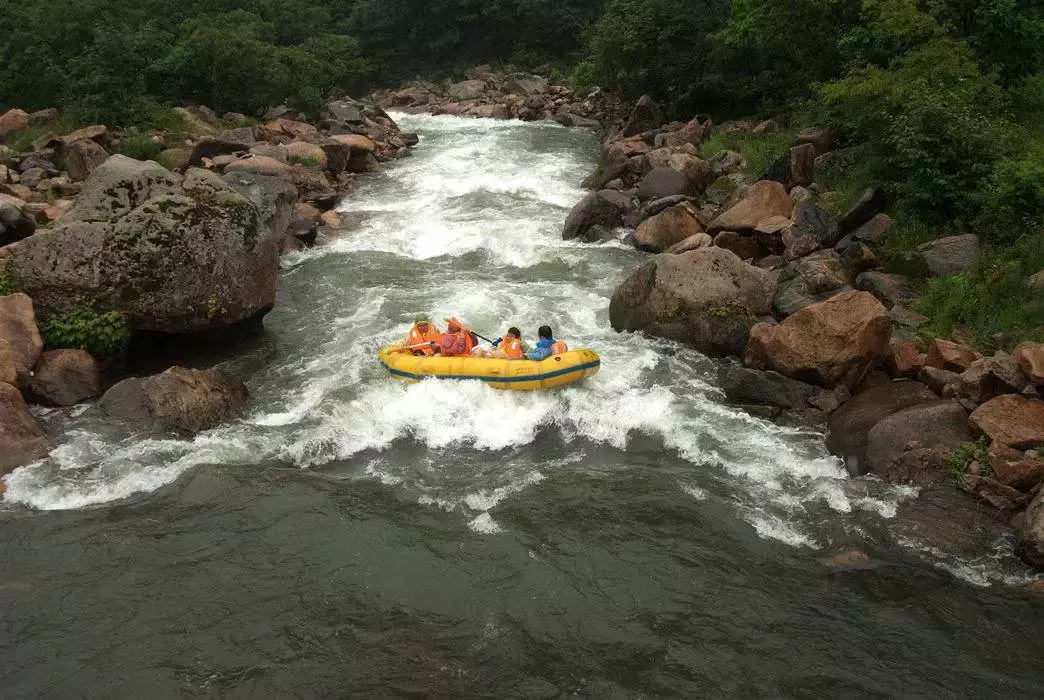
351, 536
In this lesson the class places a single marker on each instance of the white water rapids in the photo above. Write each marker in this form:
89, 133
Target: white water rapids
470, 226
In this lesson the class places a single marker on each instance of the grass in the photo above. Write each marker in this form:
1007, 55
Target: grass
23, 140
759, 150
967, 452
139, 147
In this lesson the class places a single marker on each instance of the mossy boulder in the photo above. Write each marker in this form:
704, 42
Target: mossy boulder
174, 255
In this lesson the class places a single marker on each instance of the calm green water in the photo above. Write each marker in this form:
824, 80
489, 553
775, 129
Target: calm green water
351, 536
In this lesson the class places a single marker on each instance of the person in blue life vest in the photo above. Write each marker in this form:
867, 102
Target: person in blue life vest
546, 345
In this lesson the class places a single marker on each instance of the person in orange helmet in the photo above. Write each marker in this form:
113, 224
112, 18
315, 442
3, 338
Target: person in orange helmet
424, 337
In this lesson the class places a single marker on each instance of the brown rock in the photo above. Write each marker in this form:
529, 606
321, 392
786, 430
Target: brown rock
904, 359
922, 467
97, 133
992, 376
305, 153
1030, 358
330, 219
700, 172
12, 121
304, 210
260, 165
745, 247
181, 400
937, 425
998, 495
43, 116
950, 356
834, 342
692, 133
1011, 420
8, 368
82, 157
21, 439
802, 165
694, 242
18, 327
291, 128
1015, 469
671, 226
762, 200
941, 381
64, 378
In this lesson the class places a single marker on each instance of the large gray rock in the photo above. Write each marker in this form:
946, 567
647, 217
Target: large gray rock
18, 329
21, 439
82, 158
273, 196
467, 90
870, 202
1030, 542
172, 257
645, 116
226, 143
891, 290
64, 378
180, 400
745, 385
952, 255
989, 377
663, 182
939, 424
602, 208
708, 298
850, 424
808, 281
811, 221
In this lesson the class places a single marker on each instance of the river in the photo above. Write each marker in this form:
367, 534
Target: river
352, 536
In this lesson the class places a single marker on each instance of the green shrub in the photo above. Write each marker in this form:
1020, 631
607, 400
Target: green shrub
139, 147
7, 281
759, 150
102, 334
963, 455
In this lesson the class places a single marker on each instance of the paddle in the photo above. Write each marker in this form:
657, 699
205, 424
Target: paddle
472, 331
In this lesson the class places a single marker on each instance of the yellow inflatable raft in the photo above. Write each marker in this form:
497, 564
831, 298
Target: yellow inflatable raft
513, 375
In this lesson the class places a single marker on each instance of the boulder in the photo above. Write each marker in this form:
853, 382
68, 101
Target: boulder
699, 172
305, 153
178, 400
858, 258
1015, 469
808, 281
82, 158
1001, 496
904, 359
18, 328
663, 182
260, 165
239, 140
330, 219
172, 256
820, 137
21, 439
602, 208
467, 90
1011, 420
611, 166
13, 121
1030, 540
950, 356
831, 343
8, 366
922, 467
989, 377
744, 247
870, 233
671, 226
691, 133
64, 378
941, 381
174, 158
952, 255
892, 290
745, 385
850, 424
762, 200
645, 116
336, 153
1030, 358
902, 316
272, 196
812, 222
282, 130
15, 224
867, 205
802, 165
937, 425
708, 298
693, 242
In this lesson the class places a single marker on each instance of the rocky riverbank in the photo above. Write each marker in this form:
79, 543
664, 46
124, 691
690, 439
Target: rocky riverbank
810, 327
97, 247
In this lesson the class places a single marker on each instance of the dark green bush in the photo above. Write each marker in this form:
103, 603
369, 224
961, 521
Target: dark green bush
101, 334
139, 147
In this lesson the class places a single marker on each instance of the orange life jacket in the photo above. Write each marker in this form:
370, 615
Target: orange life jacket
469, 343
512, 347
558, 347
416, 338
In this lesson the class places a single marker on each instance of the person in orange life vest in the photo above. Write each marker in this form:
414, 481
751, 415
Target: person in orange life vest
424, 337
508, 347
546, 345
457, 341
